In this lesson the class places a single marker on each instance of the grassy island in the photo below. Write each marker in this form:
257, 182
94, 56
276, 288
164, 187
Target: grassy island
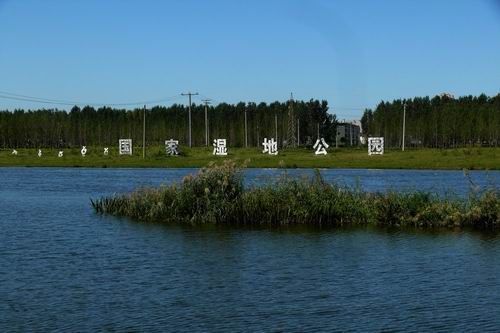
217, 195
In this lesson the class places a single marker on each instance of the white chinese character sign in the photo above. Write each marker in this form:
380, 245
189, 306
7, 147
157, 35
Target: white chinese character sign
270, 146
375, 146
60, 154
220, 148
14, 152
106, 151
172, 147
125, 146
321, 146
83, 151
39, 153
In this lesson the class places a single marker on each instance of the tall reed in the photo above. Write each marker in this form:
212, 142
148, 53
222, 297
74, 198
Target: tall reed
217, 195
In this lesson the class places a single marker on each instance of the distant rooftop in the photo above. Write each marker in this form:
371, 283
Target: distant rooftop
447, 95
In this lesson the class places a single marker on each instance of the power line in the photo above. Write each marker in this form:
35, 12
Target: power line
52, 101
352, 108
213, 100
31, 97
34, 100
333, 108
26, 98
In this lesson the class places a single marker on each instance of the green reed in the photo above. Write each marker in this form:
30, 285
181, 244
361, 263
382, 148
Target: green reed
217, 195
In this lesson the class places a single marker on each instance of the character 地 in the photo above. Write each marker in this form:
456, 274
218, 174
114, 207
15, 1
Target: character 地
270, 146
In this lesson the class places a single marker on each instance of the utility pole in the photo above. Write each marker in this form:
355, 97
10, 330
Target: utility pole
404, 125
246, 129
206, 101
318, 130
337, 134
144, 133
298, 132
345, 133
189, 94
276, 127
350, 132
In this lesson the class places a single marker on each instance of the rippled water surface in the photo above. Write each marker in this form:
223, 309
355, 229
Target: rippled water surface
63, 268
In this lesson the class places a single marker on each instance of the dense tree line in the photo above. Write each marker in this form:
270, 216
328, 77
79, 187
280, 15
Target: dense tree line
440, 122
104, 126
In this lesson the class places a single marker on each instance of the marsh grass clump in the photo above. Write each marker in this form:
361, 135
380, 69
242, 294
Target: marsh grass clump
304, 201
208, 197
217, 195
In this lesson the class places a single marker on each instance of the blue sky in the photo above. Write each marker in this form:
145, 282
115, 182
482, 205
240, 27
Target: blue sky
352, 53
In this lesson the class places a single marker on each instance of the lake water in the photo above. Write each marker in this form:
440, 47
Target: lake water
63, 268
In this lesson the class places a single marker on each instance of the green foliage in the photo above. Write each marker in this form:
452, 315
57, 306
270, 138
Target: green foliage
440, 122
217, 195
105, 126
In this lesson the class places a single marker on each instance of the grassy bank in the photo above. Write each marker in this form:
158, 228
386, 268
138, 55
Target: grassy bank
216, 195
468, 158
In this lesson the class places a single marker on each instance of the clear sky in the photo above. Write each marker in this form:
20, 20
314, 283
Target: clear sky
351, 53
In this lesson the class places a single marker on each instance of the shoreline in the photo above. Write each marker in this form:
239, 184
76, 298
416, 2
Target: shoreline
300, 158
248, 167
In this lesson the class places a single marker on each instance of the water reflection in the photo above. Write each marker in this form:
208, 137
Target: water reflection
64, 268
